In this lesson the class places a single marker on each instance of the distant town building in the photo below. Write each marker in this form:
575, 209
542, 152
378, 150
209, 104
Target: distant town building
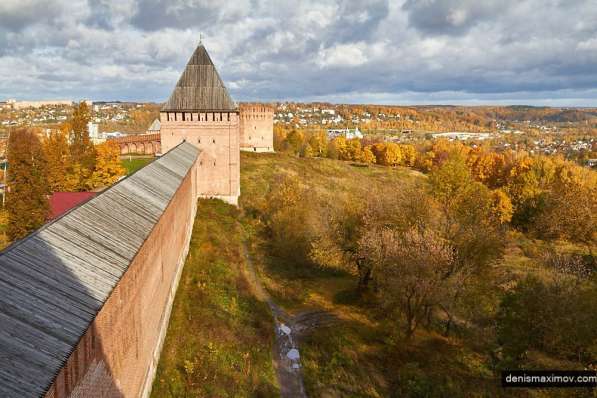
114, 134
94, 134
346, 133
93, 129
37, 104
458, 135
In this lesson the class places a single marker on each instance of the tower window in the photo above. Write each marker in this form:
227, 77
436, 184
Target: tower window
198, 140
213, 140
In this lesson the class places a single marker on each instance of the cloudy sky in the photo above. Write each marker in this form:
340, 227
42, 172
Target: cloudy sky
541, 52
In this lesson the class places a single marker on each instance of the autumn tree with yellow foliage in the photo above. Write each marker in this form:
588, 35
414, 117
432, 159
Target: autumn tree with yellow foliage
319, 143
569, 209
26, 201
81, 148
387, 154
367, 155
409, 155
55, 146
108, 168
82, 151
74, 163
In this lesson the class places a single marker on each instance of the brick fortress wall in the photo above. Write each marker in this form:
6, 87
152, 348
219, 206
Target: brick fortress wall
216, 134
142, 144
118, 355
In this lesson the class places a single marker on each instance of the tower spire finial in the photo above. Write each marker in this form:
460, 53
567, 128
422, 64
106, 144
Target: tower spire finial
200, 38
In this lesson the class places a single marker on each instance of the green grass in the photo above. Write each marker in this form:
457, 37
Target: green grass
134, 164
220, 336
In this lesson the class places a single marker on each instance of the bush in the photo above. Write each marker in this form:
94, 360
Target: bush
559, 318
414, 382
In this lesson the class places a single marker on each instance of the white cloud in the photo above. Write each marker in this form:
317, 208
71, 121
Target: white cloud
281, 49
589, 44
342, 55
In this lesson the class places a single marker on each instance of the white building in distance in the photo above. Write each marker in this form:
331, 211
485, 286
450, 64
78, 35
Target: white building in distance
346, 133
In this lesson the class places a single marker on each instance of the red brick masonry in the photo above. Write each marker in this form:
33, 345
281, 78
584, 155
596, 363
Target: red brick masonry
118, 354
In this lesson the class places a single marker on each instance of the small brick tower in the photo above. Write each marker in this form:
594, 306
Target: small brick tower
256, 127
201, 112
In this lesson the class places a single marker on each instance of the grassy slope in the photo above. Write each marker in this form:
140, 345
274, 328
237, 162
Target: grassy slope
300, 288
134, 164
358, 357
219, 338
351, 359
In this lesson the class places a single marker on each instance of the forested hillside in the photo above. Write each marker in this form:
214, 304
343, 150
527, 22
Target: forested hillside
427, 284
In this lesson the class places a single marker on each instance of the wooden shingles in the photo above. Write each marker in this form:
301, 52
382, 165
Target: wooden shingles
54, 282
200, 87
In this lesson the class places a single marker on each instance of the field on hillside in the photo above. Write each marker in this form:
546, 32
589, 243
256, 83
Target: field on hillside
360, 353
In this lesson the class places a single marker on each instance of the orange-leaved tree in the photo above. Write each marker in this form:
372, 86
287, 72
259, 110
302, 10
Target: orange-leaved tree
108, 168
82, 151
27, 201
56, 148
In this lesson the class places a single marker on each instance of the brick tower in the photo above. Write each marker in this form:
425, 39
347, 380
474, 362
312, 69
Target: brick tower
201, 111
256, 127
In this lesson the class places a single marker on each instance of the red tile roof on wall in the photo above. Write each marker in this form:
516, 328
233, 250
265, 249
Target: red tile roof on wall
61, 202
